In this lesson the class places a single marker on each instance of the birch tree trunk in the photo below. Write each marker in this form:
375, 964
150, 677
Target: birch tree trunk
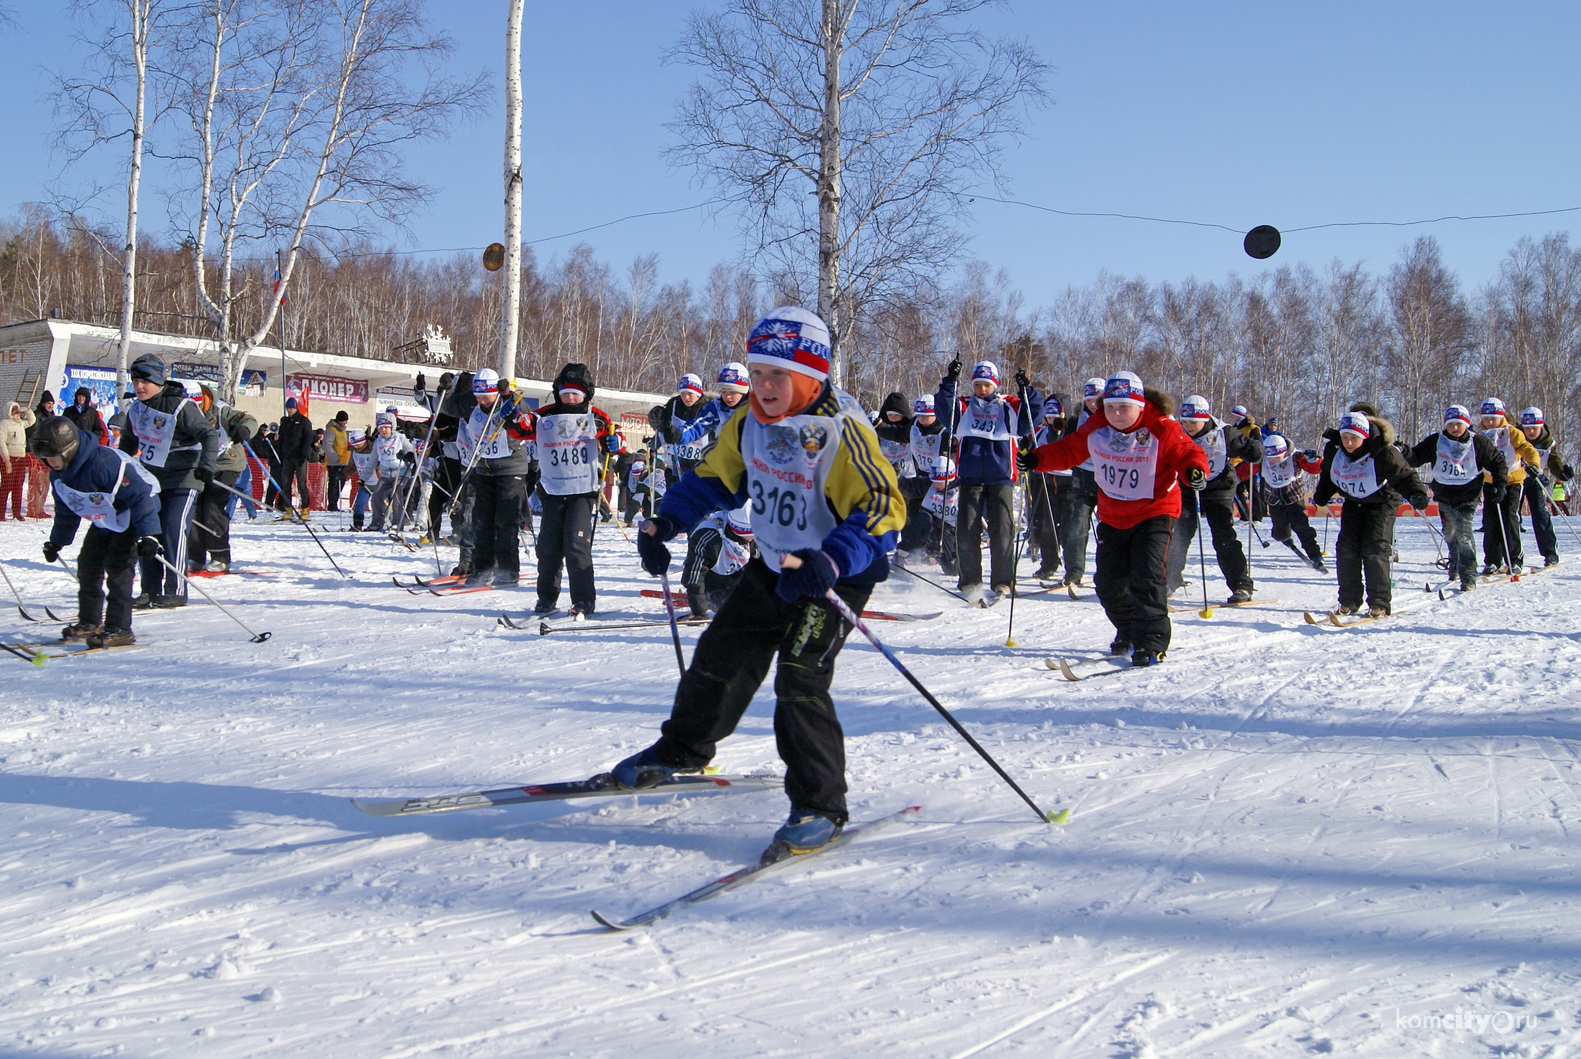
829, 182
510, 310
142, 15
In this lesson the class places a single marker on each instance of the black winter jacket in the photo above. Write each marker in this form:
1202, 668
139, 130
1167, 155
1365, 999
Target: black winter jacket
1395, 475
1489, 459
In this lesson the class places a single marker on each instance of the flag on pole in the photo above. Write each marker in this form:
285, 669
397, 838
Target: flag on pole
277, 284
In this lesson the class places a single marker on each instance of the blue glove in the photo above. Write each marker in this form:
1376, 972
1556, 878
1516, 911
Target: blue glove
815, 576
612, 445
650, 547
507, 410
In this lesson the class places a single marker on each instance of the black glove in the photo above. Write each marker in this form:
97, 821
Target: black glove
1310, 454
1418, 502
239, 434
659, 418
421, 384
1027, 460
409, 458
1196, 479
815, 576
954, 370
148, 547
1563, 471
1022, 379
203, 474
650, 547
50, 551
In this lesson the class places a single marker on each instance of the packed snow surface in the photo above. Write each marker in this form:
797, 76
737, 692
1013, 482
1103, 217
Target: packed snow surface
1286, 839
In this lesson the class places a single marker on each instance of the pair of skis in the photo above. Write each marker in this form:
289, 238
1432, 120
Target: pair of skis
679, 599
603, 786
449, 586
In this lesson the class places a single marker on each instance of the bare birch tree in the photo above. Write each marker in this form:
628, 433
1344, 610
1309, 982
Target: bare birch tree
510, 309
849, 134
108, 102
1430, 336
297, 113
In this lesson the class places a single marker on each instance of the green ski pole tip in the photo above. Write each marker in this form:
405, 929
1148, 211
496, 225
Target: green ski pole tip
38, 659
1061, 818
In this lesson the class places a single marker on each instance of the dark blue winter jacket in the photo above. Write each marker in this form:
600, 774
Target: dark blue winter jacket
100, 469
981, 461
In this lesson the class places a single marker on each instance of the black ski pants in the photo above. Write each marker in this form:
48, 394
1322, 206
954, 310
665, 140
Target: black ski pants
175, 519
1363, 549
1457, 520
996, 504
1501, 536
106, 559
335, 473
1292, 518
1218, 510
496, 520
211, 525
1043, 519
293, 471
1542, 521
446, 474
1130, 581
753, 626
1075, 521
565, 538
919, 524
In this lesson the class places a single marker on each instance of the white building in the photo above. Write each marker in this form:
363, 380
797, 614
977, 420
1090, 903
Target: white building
61, 355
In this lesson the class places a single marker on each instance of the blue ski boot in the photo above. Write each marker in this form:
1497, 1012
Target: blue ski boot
643, 769
804, 832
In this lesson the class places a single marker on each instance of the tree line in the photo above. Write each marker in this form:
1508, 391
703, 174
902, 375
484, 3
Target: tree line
1296, 342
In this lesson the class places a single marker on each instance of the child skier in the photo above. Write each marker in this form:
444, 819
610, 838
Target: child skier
1283, 468
1550, 464
826, 508
1501, 534
120, 500
1140, 456
1226, 447
943, 503
1361, 462
1460, 459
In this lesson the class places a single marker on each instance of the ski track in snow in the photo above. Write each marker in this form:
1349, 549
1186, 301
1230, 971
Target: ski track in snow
1286, 839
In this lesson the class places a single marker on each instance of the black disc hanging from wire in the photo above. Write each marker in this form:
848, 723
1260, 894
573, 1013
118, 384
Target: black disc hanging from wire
1262, 242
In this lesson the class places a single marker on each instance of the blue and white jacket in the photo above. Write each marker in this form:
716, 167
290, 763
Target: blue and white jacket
104, 480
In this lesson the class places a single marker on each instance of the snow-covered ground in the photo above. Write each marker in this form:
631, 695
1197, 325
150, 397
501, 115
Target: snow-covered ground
1285, 839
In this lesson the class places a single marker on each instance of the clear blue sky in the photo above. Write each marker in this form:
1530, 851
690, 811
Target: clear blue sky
1238, 113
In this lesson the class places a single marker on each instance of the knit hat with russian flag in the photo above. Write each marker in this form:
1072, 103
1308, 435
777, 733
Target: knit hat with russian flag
690, 382
792, 338
1124, 387
1355, 423
985, 371
734, 378
1457, 413
1493, 407
1275, 446
923, 406
1531, 417
1093, 387
1195, 407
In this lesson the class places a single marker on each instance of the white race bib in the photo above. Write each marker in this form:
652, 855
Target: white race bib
1456, 461
154, 431
1212, 442
99, 508
568, 461
1355, 478
1124, 464
1500, 436
898, 453
692, 452
495, 445
985, 419
1280, 473
943, 505
925, 448
787, 465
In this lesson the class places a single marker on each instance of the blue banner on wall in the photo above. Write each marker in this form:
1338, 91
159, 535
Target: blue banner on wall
100, 382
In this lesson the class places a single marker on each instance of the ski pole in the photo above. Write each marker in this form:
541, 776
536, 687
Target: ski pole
1504, 537
433, 421
61, 559
300, 521
20, 606
852, 618
38, 658
1432, 531
1015, 575
301, 518
930, 581
257, 636
1202, 564
675, 628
